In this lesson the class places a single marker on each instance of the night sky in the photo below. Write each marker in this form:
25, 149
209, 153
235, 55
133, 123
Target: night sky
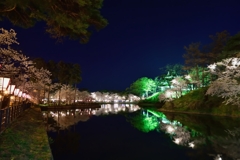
141, 37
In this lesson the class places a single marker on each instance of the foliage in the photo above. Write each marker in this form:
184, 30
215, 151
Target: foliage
196, 55
143, 123
143, 86
227, 83
179, 84
173, 70
65, 73
18, 67
193, 56
153, 98
111, 97
215, 48
197, 101
232, 47
73, 18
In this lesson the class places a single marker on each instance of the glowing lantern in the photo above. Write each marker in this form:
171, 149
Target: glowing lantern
16, 91
11, 89
20, 94
4, 82
24, 95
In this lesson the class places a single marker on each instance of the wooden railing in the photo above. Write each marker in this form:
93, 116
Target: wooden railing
9, 114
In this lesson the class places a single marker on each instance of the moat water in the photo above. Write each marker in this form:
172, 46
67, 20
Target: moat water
124, 131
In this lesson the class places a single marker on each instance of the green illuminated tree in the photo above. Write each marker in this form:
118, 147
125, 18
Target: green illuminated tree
169, 73
143, 86
64, 18
173, 70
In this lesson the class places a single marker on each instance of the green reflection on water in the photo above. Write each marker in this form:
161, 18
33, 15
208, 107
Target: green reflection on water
143, 123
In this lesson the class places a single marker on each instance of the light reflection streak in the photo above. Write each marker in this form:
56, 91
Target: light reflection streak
67, 118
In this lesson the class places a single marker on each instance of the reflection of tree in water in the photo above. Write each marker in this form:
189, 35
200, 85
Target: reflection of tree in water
69, 120
60, 121
179, 134
219, 144
228, 146
143, 123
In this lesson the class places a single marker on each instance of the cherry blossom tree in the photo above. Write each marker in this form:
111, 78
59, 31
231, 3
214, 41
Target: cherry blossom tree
18, 67
227, 85
178, 84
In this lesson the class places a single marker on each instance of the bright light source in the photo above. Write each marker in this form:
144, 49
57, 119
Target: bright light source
191, 144
188, 77
4, 82
168, 94
170, 129
178, 140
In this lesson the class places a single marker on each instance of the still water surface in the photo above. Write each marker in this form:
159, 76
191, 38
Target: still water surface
120, 131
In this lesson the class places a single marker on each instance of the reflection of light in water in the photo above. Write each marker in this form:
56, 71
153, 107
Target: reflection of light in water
177, 140
115, 105
182, 135
93, 112
67, 118
115, 108
177, 132
218, 157
191, 144
63, 114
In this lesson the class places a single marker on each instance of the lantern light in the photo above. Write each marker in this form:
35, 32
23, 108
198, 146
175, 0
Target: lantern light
4, 82
16, 91
11, 89
20, 94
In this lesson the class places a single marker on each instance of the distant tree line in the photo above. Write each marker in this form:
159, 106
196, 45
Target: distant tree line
195, 71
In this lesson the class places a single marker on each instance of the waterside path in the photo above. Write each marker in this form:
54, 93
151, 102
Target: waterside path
26, 138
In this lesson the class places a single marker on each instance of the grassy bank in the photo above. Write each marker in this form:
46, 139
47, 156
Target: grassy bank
152, 102
197, 102
25, 138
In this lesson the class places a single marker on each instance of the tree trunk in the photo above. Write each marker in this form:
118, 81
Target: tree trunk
44, 91
197, 71
59, 97
75, 88
48, 94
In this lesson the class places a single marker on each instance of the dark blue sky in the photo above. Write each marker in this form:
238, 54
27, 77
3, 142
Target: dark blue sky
142, 36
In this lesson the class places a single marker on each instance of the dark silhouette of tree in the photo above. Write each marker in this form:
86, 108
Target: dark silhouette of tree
193, 56
196, 55
232, 48
197, 58
40, 63
215, 49
75, 19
